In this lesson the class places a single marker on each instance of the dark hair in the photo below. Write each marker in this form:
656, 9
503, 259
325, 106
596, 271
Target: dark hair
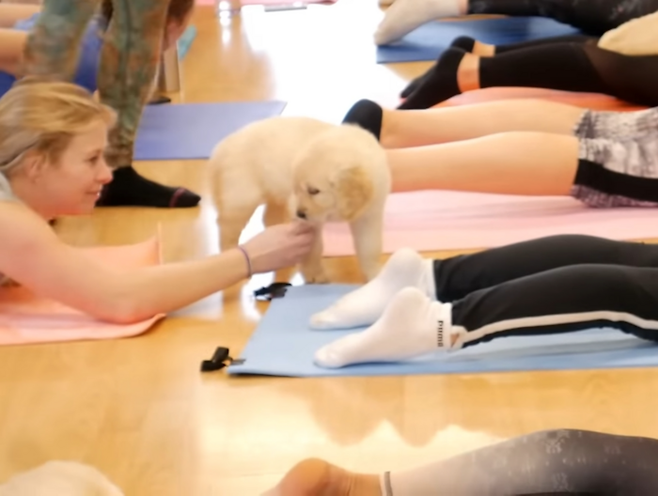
178, 9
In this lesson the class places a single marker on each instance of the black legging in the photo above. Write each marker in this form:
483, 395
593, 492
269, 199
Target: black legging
571, 63
552, 285
594, 17
557, 463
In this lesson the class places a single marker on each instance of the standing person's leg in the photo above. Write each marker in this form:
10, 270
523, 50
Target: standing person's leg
578, 67
558, 462
53, 45
593, 17
128, 67
454, 278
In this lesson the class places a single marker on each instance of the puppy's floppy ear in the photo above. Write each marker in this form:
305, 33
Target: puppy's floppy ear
354, 190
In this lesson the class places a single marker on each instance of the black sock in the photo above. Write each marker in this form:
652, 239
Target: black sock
440, 82
129, 189
464, 43
366, 114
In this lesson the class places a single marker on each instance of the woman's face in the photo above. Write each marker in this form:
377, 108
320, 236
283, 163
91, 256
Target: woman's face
72, 186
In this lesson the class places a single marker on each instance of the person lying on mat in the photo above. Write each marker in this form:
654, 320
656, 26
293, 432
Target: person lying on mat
593, 17
128, 60
567, 63
52, 139
556, 461
550, 285
520, 147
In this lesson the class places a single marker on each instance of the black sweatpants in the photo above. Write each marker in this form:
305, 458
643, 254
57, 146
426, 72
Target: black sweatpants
555, 462
593, 17
552, 285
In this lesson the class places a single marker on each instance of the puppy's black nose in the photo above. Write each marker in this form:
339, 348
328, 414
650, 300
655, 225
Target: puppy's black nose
301, 214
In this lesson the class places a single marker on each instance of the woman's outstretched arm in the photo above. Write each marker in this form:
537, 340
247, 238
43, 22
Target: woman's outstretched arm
33, 255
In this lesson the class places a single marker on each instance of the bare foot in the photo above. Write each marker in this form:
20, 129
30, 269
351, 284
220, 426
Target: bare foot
315, 477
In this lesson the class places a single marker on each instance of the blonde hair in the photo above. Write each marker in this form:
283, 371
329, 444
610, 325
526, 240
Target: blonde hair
42, 117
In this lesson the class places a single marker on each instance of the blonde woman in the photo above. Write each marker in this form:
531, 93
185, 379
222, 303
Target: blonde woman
52, 142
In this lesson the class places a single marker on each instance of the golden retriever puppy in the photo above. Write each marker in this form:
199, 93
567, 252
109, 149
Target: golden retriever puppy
303, 167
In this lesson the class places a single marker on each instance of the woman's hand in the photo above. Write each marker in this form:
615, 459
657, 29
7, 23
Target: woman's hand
280, 246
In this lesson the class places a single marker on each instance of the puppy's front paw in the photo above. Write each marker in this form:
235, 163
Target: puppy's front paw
314, 275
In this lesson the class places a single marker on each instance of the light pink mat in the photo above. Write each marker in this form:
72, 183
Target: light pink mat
26, 318
441, 220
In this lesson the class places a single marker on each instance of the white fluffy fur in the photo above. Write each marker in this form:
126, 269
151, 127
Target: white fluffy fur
282, 161
60, 478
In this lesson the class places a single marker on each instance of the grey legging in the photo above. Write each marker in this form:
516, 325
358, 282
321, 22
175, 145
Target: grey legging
556, 462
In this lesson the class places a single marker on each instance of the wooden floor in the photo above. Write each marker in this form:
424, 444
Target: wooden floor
139, 409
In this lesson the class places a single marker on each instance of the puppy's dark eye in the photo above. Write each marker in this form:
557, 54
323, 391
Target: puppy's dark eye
313, 191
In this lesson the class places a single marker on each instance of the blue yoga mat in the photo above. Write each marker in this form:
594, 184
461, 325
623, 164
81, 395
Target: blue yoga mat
430, 40
283, 345
191, 131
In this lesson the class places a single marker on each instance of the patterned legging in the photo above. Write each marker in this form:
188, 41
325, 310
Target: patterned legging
128, 64
556, 462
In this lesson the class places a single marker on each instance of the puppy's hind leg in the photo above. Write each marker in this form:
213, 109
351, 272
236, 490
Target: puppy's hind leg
277, 213
367, 235
231, 221
312, 268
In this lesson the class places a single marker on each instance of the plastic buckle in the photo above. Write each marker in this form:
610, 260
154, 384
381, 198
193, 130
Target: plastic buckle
219, 360
274, 290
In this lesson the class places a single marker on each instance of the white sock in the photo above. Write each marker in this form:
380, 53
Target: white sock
412, 325
362, 307
404, 16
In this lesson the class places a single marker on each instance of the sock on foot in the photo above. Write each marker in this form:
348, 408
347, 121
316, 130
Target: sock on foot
412, 325
464, 43
128, 188
404, 16
366, 114
362, 307
439, 84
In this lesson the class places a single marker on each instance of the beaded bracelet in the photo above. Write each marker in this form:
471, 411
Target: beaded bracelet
246, 257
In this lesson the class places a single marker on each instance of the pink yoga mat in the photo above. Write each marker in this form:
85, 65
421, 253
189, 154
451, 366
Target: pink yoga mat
442, 220
26, 318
